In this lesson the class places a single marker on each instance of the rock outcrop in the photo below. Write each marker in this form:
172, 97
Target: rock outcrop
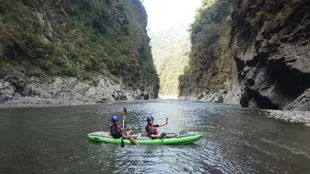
18, 89
269, 42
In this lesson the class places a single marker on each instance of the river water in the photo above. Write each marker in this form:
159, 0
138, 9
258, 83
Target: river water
235, 140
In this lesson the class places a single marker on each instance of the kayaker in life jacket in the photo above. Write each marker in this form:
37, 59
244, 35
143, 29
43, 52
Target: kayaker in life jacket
116, 131
151, 130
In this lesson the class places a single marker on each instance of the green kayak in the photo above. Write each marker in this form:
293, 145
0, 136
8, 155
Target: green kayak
176, 139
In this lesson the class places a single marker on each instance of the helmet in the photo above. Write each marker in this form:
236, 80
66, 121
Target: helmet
149, 118
114, 119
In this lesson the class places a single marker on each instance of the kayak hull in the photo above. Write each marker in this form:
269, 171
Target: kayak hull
102, 137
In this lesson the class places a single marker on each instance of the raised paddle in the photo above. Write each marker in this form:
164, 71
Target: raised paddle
124, 125
124, 119
165, 135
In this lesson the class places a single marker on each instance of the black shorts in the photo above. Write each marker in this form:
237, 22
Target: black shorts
117, 136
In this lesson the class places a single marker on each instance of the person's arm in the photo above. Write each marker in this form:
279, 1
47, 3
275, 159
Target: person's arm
155, 136
162, 124
120, 129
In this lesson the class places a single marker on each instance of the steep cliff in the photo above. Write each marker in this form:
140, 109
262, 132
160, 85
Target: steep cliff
269, 43
100, 45
211, 67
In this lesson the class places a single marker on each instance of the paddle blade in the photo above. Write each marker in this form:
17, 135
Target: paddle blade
122, 142
125, 110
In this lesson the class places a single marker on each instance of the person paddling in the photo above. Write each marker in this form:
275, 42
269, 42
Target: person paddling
151, 130
116, 131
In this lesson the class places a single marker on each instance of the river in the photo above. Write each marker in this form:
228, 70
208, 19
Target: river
235, 140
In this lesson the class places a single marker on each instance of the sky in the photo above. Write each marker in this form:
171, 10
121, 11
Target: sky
163, 14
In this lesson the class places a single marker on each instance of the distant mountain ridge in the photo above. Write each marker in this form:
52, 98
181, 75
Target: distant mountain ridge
170, 50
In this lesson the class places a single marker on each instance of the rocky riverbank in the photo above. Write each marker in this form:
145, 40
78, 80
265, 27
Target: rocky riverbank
230, 94
16, 89
228, 97
294, 117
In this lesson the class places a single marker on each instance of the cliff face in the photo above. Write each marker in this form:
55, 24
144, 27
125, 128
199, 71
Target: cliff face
269, 43
100, 45
212, 68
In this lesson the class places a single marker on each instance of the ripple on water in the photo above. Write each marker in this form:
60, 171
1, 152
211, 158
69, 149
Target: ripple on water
235, 140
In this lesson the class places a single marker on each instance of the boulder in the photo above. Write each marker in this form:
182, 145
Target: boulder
218, 99
146, 96
302, 103
7, 91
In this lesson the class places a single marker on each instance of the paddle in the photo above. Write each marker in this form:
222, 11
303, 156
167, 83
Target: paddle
124, 118
124, 125
166, 123
164, 135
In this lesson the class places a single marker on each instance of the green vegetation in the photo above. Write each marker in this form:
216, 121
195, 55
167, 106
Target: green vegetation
186, 82
81, 38
258, 14
170, 49
211, 63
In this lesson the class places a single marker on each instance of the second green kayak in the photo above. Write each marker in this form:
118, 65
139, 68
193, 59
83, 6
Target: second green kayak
184, 138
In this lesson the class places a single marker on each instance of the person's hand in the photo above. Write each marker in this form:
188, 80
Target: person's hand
163, 135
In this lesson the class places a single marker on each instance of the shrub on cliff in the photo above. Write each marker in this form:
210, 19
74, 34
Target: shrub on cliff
79, 38
205, 50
